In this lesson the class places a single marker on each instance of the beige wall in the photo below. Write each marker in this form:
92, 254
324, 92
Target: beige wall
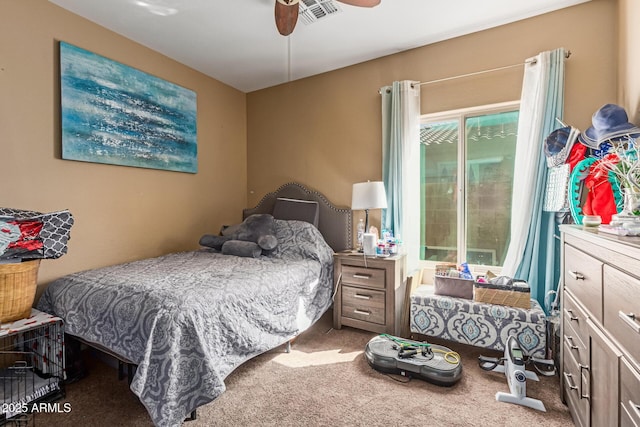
121, 213
324, 131
629, 64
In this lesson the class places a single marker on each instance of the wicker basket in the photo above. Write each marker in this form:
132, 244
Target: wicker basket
513, 298
18, 283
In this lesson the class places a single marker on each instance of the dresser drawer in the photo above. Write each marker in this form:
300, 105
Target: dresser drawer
583, 277
369, 277
574, 346
575, 324
630, 390
622, 309
363, 304
626, 419
576, 387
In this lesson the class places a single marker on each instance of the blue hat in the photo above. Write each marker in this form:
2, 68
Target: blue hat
610, 123
557, 145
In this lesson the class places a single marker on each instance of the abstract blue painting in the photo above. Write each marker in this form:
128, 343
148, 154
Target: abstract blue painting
112, 113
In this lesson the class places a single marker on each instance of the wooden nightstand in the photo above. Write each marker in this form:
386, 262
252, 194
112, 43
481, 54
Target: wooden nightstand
370, 292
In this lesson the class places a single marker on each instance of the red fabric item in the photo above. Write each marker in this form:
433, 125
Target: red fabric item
576, 155
600, 199
30, 235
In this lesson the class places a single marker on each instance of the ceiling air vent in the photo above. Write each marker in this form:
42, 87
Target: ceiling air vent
313, 10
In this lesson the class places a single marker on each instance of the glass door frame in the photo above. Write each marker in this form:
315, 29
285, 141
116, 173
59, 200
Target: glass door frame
461, 115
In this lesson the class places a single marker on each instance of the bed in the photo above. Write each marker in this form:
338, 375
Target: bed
188, 319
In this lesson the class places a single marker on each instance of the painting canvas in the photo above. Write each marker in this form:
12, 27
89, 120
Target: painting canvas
115, 114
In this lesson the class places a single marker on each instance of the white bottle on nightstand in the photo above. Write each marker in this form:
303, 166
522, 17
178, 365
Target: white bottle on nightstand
360, 229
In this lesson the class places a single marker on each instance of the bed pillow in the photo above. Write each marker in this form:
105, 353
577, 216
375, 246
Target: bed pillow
242, 248
294, 209
300, 240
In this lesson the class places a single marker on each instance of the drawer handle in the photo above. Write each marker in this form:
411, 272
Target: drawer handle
576, 275
364, 313
570, 343
581, 366
571, 315
635, 407
630, 320
360, 296
362, 276
569, 379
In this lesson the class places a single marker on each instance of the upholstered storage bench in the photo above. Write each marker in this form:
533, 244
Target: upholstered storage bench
476, 323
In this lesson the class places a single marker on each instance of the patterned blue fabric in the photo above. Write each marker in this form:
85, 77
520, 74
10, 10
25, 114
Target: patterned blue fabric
189, 319
479, 324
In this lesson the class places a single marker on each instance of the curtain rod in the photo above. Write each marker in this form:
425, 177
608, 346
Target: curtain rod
530, 61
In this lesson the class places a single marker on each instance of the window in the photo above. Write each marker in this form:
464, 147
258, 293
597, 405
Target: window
466, 172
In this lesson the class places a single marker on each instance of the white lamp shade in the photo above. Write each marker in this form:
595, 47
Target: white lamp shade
368, 195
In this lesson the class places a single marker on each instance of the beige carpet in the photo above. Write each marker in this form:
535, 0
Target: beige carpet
324, 381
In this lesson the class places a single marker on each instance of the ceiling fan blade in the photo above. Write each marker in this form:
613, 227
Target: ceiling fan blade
286, 15
361, 3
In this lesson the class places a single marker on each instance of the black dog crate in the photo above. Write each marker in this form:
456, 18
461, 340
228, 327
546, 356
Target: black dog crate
32, 366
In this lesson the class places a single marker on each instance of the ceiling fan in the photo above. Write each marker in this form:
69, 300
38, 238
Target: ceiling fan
287, 12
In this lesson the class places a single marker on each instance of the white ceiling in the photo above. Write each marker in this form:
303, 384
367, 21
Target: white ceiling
236, 41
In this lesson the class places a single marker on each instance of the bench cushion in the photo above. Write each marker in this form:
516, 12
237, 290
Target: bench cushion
479, 324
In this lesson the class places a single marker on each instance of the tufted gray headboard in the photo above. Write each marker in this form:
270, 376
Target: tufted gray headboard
333, 222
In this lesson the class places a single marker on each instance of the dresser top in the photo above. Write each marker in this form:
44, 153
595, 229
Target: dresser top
591, 233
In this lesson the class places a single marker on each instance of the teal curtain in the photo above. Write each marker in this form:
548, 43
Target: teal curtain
392, 136
540, 261
401, 165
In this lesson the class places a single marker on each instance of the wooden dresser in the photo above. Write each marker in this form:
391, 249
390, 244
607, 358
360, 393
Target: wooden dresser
600, 327
369, 292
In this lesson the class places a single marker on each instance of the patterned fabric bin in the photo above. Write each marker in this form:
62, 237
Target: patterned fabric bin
479, 324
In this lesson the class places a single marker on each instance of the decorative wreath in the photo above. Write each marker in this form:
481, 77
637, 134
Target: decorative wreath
576, 187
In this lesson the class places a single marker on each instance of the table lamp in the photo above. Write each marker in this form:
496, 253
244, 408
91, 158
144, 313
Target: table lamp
368, 195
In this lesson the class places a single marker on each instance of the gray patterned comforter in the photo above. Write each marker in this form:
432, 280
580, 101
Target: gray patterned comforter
189, 319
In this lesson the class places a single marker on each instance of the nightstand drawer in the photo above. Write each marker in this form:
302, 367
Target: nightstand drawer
363, 304
369, 292
369, 277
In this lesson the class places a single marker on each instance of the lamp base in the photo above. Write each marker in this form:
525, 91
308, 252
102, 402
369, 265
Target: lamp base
366, 220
